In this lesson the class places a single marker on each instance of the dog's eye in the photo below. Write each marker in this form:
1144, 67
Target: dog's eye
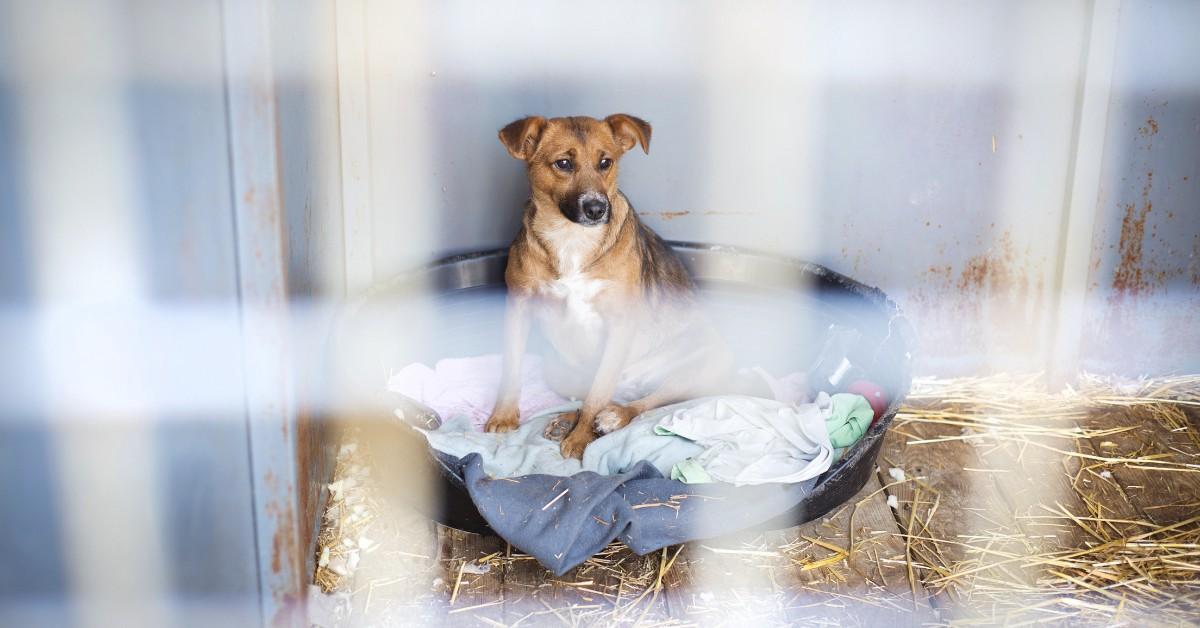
605, 163
563, 164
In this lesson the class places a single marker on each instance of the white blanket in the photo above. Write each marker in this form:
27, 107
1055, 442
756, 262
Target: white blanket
748, 440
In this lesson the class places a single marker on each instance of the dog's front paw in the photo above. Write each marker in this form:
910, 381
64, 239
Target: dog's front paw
503, 421
612, 418
561, 425
575, 442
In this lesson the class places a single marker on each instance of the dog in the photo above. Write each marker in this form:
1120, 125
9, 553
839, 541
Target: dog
610, 295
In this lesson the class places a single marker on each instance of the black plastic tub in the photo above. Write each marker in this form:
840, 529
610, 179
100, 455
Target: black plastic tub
776, 312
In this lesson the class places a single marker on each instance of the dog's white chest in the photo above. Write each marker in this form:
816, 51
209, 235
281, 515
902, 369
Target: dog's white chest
577, 293
569, 317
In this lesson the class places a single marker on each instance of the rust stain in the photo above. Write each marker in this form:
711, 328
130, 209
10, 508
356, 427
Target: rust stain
284, 549
1150, 129
1195, 261
1131, 277
672, 215
993, 302
276, 550
315, 458
1147, 320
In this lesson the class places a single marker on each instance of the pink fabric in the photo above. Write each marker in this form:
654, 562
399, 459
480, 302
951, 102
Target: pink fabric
468, 386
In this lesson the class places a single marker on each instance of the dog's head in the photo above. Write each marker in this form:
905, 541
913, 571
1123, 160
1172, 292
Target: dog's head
573, 161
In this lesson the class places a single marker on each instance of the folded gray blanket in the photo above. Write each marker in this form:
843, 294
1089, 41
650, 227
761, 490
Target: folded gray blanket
562, 521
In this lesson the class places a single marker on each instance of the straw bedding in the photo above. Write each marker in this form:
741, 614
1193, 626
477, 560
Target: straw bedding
997, 501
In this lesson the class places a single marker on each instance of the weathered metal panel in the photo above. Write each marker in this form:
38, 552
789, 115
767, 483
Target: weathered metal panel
186, 233
305, 68
159, 220
34, 566
1143, 308
925, 149
259, 216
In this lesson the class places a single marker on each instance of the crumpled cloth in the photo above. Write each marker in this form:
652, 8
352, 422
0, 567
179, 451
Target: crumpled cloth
562, 521
849, 419
686, 456
467, 386
525, 451
748, 440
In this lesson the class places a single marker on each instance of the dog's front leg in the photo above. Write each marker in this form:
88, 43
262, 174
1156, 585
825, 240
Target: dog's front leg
506, 415
616, 351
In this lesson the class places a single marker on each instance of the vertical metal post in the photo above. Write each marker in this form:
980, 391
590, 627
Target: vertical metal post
1079, 215
262, 285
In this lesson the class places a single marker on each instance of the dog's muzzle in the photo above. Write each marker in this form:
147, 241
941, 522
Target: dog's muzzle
589, 208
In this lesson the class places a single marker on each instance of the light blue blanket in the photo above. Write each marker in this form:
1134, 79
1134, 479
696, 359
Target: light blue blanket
525, 451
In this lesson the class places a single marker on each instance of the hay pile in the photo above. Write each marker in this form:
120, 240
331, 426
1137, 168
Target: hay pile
997, 501
1119, 541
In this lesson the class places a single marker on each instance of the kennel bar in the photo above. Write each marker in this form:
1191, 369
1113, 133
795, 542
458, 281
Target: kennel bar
190, 190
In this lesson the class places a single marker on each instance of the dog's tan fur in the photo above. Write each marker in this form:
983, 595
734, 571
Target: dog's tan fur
612, 298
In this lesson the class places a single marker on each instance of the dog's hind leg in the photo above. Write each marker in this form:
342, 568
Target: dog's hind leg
561, 425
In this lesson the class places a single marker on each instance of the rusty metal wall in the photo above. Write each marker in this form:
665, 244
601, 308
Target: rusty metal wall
928, 148
121, 108
1143, 300
169, 216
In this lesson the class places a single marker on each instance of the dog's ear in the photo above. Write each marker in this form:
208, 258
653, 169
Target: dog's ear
521, 137
630, 131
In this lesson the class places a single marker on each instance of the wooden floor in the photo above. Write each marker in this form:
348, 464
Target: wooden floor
991, 507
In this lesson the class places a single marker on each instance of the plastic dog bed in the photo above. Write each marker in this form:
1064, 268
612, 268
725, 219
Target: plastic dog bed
773, 309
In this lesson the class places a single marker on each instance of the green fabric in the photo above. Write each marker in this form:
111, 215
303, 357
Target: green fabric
690, 472
849, 419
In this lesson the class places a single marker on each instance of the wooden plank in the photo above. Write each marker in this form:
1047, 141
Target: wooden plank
607, 588
801, 573
970, 508
1013, 496
471, 596
401, 580
1163, 497
873, 584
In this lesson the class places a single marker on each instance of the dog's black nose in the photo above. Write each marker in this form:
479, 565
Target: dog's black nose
594, 208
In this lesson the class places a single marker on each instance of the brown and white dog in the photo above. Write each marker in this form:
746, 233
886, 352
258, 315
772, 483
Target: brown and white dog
611, 297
